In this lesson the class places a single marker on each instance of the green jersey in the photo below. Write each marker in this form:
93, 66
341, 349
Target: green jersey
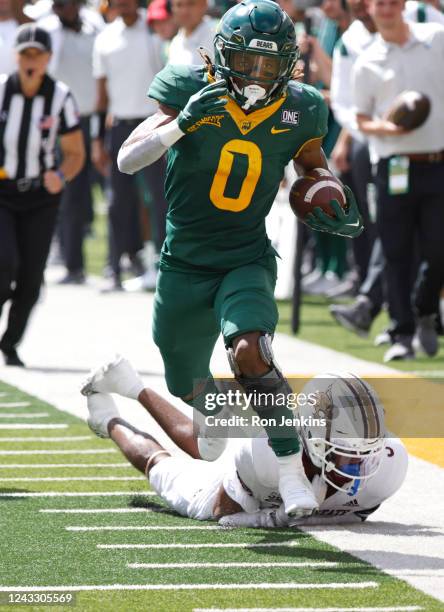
223, 175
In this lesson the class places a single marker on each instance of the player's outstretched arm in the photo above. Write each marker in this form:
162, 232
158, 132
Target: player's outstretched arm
154, 136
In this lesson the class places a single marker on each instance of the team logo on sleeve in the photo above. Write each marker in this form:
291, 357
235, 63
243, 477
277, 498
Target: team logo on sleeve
209, 120
290, 117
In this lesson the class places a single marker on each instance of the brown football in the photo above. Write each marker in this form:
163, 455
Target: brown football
409, 110
316, 188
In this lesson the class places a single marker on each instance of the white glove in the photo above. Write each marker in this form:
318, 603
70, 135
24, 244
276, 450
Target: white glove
267, 518
319, 487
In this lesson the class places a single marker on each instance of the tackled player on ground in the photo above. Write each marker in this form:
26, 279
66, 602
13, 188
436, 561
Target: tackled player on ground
351, 463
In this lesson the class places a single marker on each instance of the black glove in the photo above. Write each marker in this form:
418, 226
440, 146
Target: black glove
345, 223
207, 101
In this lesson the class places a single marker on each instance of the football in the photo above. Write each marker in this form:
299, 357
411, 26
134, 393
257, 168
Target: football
316, 188
409, 110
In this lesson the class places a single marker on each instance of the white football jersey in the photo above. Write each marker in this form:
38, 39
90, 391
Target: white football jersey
257, 468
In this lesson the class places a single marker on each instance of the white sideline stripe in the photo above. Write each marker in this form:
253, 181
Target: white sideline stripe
47, 439
34, 426
76, 494
94, 510
231, 564
63, 465
192, 587
246, 545
145, 528
384, 609
88, 451
23, 415
71, 478
13, 404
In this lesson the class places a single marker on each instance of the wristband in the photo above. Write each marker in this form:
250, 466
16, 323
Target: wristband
170, 133
98, 125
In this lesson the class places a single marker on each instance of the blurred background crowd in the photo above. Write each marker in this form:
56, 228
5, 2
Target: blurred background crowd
108, 51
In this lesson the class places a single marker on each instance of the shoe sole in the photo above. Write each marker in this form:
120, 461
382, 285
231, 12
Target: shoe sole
88, 386
400, 358
97, 433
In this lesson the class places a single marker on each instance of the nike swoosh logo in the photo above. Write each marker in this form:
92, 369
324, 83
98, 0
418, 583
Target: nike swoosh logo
355, 224
275, 131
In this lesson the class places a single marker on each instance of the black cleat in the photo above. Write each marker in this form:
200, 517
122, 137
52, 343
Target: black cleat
11, 358
355, 317
425, 339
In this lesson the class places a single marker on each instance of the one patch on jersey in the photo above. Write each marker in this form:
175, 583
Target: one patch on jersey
267, 45
209, 120
290, 117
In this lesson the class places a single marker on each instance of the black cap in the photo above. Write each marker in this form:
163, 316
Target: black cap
30, 36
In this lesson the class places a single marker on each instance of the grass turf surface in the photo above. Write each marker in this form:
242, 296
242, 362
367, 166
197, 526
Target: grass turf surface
318, 326
38, 550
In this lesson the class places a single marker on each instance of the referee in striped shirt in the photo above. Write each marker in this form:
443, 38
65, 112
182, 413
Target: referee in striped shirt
36, 114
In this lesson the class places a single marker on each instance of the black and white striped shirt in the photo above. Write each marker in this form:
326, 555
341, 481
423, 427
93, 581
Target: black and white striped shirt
29, 127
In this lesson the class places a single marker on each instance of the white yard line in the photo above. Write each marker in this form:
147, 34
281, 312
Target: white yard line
46, 439
34, 426
95, 510
232, 564
246, 545
23, 415
87, 451
194, 587
77, 494
145, 528
375, 609
29, 466
72, 479
14, 404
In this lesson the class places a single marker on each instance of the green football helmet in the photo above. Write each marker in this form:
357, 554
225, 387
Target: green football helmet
255, 51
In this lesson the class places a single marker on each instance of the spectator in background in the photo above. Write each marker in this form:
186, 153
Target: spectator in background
43, 8
8, 27
331, 251
73, 33
160, 19
410, 211
126, 57
31, 179
196, 30
351, 151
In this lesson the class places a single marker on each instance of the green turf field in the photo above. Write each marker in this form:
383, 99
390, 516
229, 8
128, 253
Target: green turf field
51, 536
318, 326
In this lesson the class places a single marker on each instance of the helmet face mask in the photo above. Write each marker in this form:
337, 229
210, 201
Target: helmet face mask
255, 51
342, 465
347, 448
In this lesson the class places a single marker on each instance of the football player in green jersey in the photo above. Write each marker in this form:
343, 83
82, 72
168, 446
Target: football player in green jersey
229, 128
